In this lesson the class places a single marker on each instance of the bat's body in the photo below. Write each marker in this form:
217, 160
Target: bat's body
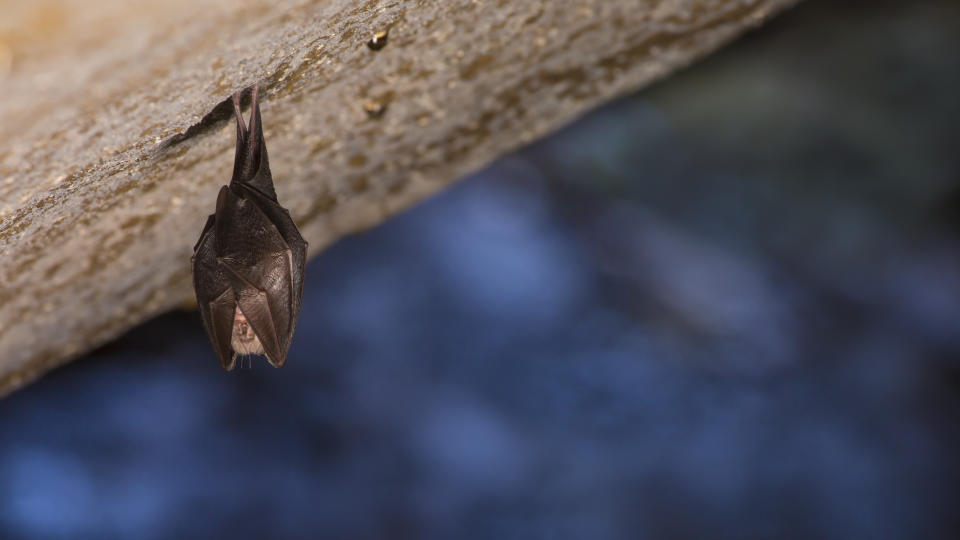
249, 263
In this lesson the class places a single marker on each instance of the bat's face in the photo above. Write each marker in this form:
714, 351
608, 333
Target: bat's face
249, 262
243, 339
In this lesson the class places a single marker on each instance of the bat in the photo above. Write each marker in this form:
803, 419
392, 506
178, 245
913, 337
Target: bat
249, 262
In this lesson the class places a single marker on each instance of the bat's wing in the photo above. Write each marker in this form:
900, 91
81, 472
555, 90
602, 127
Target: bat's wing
214, 296
280, 218
259, 266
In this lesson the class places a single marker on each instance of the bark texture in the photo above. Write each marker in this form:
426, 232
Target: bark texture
115, 138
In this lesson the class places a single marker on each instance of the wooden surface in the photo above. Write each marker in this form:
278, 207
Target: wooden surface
115, 139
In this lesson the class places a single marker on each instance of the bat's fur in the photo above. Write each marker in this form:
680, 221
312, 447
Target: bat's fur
243, 339
249, 263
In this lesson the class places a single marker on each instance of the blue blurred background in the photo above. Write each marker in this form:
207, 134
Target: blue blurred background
727, 307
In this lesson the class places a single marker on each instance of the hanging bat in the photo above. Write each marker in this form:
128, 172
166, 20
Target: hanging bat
249, 262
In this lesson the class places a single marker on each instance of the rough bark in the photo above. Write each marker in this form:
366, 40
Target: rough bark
115, 137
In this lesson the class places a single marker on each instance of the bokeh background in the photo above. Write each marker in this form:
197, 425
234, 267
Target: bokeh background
727, 306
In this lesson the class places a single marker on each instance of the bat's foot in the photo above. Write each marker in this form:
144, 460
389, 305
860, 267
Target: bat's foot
250, 164
254, 105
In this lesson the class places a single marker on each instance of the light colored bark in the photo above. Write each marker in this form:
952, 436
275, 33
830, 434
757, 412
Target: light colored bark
114, 137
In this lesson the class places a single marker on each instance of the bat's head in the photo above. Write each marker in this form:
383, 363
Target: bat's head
244, 340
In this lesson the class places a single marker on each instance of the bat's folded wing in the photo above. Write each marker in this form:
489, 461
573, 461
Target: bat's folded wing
259, 266
214, 296
280, 218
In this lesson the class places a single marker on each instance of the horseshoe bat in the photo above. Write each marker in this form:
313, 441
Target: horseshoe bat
249, 262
